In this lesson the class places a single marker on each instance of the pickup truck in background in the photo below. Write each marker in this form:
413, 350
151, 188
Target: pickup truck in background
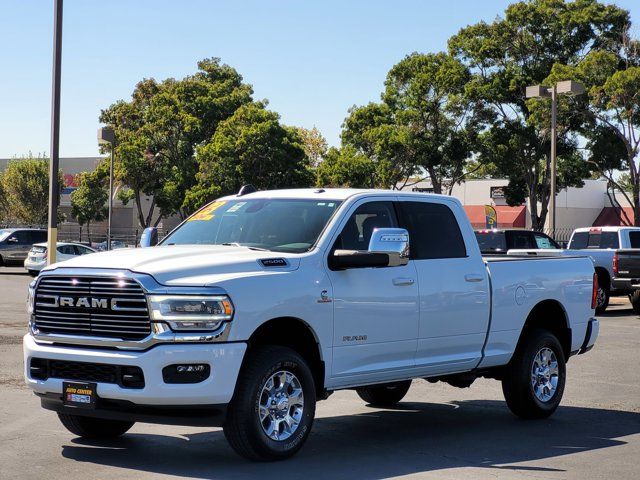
626, 275
600, 244
262, 303
502, 241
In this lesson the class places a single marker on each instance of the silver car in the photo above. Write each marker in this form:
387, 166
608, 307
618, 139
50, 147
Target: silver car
15, 244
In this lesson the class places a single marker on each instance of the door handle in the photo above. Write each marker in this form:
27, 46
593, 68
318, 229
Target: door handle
403, 281
473, 277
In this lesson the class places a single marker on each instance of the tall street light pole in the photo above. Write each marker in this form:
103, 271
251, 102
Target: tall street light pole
54, 162
567, 87
107, 135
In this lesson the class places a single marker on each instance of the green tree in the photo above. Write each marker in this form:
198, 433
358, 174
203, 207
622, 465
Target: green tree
158, 131
518, 50
346, 167
424, 125
250, 147
314, 145
25, 185
88, 201
610, 113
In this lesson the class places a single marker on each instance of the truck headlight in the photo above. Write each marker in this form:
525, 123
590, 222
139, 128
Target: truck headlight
31, 295
191, 312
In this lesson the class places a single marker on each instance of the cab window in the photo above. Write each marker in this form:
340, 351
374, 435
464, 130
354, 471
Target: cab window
356, 234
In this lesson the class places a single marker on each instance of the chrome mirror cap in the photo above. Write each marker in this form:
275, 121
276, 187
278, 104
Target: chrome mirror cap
392, 241
149, 237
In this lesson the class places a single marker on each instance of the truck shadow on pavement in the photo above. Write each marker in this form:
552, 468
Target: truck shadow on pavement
413, 438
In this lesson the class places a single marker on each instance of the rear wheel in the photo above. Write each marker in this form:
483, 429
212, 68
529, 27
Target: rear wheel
96, 428
534, 381
272, 410
385, 395
602, 300
634, 298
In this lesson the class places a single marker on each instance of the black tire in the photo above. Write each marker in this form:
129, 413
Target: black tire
517, 383
634, 298
385, 395
94, 428
604, 294
243, 429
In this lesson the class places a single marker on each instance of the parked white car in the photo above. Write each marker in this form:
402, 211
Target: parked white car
262, 303
37, 258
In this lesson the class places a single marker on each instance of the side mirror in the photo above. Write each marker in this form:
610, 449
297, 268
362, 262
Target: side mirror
388, 247
392, 241
149, 237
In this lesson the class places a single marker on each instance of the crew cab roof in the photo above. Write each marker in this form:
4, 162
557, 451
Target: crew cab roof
329, 194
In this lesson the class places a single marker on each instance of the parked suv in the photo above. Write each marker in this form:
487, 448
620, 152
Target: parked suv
15, 244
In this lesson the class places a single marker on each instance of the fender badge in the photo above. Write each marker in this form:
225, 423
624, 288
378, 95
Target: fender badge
324, 297
273, 262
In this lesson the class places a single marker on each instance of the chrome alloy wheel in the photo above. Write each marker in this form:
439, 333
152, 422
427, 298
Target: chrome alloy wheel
544, 374
281, 405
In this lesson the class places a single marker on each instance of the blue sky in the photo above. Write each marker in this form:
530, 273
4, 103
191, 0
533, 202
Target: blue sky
311, 59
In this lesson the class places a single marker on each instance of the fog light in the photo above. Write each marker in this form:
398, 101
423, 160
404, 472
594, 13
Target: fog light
186, 373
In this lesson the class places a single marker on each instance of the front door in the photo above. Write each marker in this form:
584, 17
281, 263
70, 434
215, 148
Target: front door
375, 309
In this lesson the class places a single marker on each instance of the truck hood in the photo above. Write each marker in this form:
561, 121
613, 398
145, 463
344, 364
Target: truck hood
178, 265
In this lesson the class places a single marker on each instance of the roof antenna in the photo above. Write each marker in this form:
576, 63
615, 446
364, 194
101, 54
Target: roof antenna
246, 189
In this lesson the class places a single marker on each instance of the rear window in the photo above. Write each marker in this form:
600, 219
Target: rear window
582, 240
634, 239
491, 242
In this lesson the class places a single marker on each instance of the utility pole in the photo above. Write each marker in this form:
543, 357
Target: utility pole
54, 161
554, 140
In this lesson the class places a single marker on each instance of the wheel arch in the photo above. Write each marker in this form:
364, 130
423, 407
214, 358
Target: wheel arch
603, 276
550, 315
294, 333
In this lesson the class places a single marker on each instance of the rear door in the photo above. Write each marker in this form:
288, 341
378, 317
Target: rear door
20, 243
453, 287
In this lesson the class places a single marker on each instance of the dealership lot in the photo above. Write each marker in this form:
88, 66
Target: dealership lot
437, 431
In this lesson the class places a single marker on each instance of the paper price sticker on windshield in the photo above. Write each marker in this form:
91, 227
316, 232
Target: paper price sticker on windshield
207, 213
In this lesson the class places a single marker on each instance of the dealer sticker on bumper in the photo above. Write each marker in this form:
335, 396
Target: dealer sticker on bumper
79, 394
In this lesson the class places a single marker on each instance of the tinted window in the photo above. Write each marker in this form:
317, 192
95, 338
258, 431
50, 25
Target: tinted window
634, 239
579, 240
67, 250
357, 232
83, 250
23, 236
594, 239
520, 239
491, 242
433, 231
38, 236
544, 242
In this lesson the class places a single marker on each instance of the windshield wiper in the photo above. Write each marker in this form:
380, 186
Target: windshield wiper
236, 244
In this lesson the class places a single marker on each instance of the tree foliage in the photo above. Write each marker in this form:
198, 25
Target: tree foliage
252, 147
314, 145
25, 190
346, 167
157, 133
424, 124
89, 200
509, 54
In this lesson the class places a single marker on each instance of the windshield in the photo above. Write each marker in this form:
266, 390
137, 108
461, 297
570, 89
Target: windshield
282, 225
4, 234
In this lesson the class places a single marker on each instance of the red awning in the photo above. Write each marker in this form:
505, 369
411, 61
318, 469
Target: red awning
614, 217
507, 216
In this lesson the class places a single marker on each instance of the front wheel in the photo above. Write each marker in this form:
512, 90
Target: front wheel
273, 407
386, 395
534, 381
94, 428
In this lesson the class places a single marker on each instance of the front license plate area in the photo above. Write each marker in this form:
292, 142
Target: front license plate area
81, 395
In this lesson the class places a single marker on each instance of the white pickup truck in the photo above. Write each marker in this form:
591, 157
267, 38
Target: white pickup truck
260, 304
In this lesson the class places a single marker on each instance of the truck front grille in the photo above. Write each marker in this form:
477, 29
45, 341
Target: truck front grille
113, 307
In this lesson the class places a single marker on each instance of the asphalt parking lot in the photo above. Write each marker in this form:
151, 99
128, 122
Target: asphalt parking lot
437, 431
